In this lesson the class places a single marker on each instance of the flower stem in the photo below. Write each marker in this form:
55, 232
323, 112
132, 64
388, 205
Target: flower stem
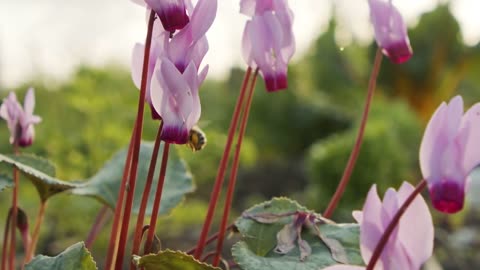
137, 238
158, 199
136, 147
14, 213
36, 232
211, 239
358, 141
112, 246
97, 226
393, 223
222, 167
233, 173
5, 240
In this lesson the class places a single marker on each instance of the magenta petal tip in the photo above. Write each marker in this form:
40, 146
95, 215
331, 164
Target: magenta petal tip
276, 83
176, 134
399, 52
447, 196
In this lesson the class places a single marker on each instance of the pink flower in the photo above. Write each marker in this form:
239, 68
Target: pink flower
20, 120
449, 152
172, 13
188, 45
268, 42
175, 98
390, 30
411, 243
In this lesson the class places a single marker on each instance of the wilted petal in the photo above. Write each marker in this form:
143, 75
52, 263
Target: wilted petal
358, 216
390, 30
305, 249
286, 239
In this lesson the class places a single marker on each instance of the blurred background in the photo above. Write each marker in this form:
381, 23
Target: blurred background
77, 56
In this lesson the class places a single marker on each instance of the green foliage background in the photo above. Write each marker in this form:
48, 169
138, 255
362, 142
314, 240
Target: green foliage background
297, 143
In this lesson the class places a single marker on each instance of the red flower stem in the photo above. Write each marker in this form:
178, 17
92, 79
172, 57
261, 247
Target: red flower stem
5, 240
14, 213
210, 240
358, 141
36, 232
393, 223
137, 238
221, 169
233, 173
112, 246
97, 226
158, 199
136, 147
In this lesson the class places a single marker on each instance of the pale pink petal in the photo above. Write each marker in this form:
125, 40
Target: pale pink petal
415, 224
139, 2
433, 144
190, 75
247, 7
29, 102
247, 45
202, 75
371, 229
358, 216
137, 63
471, 157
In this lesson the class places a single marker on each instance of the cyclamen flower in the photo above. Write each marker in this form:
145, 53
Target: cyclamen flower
449, 152
174, 76
20, 120
268, 42
172, 13
410, 244
390, 30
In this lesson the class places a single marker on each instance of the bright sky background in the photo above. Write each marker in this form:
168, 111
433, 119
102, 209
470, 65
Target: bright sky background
51, 37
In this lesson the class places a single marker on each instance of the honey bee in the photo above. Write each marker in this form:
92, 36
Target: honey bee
196, 139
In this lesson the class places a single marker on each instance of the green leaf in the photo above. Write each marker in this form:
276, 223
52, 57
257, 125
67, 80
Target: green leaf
255, 251
171, 260
5, 182
261, 237
76, 257
40, 171
105, 184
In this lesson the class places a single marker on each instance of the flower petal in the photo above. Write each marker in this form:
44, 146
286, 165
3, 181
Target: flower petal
286, 239
471, 157
29, 102
344, 267
409, 233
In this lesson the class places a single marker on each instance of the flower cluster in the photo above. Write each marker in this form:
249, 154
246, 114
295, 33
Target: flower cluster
268, 42
20, 120
174, 74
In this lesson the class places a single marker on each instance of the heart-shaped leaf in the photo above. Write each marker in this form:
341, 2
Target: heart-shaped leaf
76, 257
105, 185
171, 260
256, 251
40, 171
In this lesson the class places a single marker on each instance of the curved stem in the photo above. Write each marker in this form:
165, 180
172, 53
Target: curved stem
233, 174
221, 169
137, 238
136, 147
393, 223
158, 199
358, 141
5, 241
14, 213
112, 246
36, 232
97, 227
